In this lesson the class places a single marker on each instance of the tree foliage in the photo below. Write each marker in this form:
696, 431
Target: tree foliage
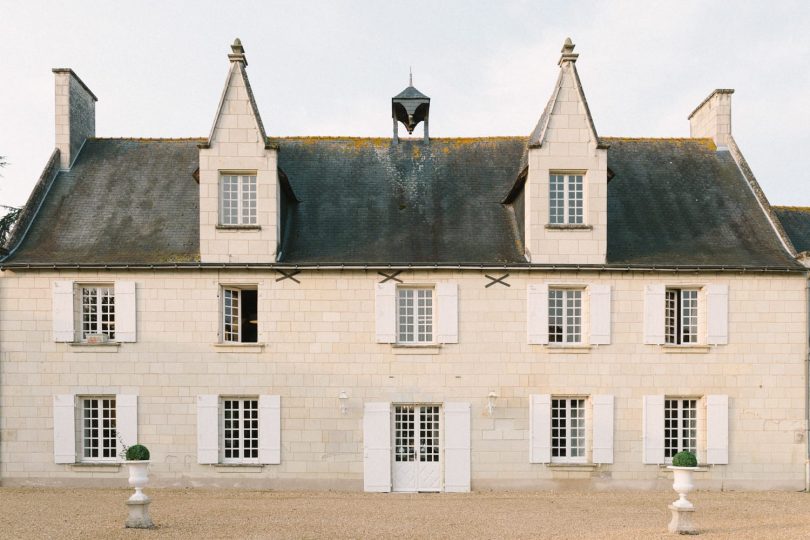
7, 223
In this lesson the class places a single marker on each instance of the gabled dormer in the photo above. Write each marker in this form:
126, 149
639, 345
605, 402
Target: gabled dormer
238, 177
566, 187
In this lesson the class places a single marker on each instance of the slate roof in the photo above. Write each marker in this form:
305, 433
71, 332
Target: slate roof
410, 93
796, 221
671, 203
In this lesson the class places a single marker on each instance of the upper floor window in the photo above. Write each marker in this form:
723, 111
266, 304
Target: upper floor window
97, 312
239, 315
238, 200
681, 316
564, 316
566, 199
415, 315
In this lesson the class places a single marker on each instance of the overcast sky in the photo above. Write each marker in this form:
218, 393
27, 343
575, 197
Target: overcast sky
331, 67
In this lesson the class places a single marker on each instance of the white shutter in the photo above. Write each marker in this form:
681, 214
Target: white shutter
208, 428
377, 447
654, 314
63, 329
64, 428
386, 310
126, 421
125, 311
717, 429
602, 428
653, 430
270, 430
717, 300
447, 292
457, 447
540, 428
537, 313
600, 314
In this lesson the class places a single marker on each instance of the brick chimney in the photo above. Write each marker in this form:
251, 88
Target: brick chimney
75, 115
712, 118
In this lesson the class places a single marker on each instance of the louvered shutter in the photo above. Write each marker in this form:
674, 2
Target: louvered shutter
270, 429
457, 447
447, 293
64, 428
717, 300
377, 447
208, 428
125, 312
654, 314
386, 312
600, 314
717, 429
540, 428
63, 311
653, 430
537, 313
602, 428
126, 421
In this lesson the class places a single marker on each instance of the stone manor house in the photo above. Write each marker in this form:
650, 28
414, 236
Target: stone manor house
403, 314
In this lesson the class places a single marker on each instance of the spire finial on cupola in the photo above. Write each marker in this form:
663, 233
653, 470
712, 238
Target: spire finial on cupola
568, 54
237, 52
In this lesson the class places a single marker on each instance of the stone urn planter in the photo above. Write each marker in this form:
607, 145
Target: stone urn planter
683, 484
684, 465
137, 461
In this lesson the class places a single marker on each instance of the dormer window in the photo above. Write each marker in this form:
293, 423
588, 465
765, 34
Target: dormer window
565, 199
237, 196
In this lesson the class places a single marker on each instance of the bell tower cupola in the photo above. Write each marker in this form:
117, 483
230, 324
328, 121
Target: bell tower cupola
410, 107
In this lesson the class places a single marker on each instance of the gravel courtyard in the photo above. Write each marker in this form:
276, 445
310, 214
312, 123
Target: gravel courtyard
100, 513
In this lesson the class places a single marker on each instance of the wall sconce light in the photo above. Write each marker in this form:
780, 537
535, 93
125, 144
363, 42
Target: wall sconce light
344, 402
491, 402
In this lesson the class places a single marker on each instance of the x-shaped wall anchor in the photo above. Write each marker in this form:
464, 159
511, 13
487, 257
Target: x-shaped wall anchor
392, 275
496, 280
288, 275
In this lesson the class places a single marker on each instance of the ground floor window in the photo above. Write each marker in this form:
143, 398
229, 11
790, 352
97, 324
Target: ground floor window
98, 438
240, 430
680, 426
568, 430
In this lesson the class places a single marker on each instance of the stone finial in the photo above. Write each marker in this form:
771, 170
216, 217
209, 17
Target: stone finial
568, 54
237, 52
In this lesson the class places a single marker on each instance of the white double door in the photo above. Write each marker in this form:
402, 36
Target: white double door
417, 455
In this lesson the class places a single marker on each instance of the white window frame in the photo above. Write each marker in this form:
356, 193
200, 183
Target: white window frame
425, 320
685, 427
681, 315
92, 322
229, 312
246, 193
86, 427
574, 438
242, 436
570, 311
571, 196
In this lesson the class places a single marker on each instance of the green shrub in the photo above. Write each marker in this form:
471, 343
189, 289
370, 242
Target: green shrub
137, 452
684, 459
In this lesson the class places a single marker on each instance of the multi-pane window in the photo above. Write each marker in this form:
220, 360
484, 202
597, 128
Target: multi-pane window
98, 311
98, 435
568, 430
415, 315
681, 316
680, 426
239, 315
240, 430
238, 200
429, 433
564, 316
566, 199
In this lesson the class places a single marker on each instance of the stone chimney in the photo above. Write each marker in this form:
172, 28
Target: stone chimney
75, 115
712, 118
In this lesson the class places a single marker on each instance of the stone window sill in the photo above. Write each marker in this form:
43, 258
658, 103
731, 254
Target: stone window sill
239, 347
239, 227
100, 467
94, 347
416, 349
700, 468
568, 349
686, 349
568, 227
238, 467
573, 466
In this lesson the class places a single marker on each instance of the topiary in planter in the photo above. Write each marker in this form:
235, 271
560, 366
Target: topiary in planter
684, 459
137, 452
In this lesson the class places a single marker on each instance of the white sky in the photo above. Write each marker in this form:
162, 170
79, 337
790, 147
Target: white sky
331, 67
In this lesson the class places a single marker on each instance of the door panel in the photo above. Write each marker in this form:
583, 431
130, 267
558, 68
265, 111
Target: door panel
417, 448
405, 466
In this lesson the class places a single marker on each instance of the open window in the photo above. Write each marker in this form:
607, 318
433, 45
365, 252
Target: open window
240, 314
